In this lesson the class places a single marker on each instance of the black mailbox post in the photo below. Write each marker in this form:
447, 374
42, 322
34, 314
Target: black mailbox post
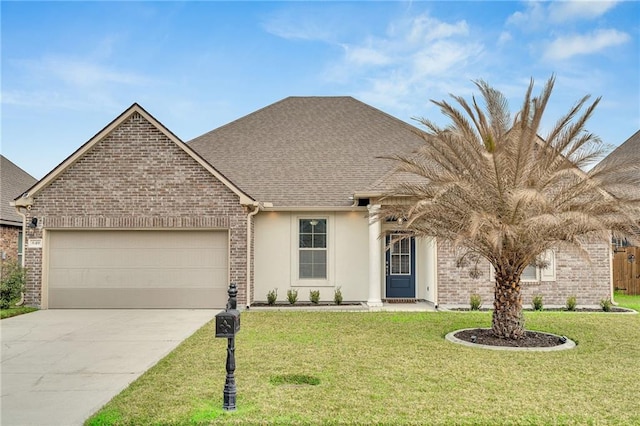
228, 325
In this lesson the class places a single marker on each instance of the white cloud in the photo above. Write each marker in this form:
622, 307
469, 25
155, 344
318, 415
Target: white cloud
504, 38
365, 55
71, 83
563, 11
565, 47
532, 18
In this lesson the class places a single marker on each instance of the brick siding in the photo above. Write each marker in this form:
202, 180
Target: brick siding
137, 178
9, 243
588, 280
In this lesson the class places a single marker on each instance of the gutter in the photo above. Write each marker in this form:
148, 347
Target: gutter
257, 207
24, 238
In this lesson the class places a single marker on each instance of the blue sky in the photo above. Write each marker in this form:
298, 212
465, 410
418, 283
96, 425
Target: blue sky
69, 68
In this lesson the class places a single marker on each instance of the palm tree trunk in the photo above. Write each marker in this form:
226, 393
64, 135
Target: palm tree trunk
508, 321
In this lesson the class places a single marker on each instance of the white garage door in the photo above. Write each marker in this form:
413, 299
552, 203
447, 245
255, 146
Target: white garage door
137, 269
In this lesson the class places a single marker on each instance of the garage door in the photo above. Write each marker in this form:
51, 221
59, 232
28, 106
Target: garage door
137, 269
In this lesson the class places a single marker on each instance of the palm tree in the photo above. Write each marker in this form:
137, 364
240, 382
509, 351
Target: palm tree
491, 185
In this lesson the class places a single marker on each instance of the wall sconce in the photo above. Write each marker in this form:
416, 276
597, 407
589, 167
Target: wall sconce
33, 223
631, 258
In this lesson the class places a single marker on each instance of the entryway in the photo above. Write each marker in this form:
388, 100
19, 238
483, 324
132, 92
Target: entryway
400, 266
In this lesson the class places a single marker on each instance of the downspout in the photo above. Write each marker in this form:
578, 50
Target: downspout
258, 206
24, 246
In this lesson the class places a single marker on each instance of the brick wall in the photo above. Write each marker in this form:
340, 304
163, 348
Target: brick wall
9, 243
587, 279
137, 178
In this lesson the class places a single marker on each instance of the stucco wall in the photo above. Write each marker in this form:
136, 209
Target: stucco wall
589, 280
276, 254
137, 178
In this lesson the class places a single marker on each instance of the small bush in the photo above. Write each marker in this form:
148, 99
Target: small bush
475, 301
314, 296
572, 302
605, 304
337, 296
292, 296
537, 302
11, 283
272, 296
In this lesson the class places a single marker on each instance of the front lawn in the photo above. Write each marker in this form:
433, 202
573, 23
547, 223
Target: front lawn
627, 301
14, 311
391, 368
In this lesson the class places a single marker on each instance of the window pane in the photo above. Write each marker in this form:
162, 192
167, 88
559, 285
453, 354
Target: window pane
305, 225
19, 242
321, 227
319, 241
529, 273
313, 264
404, 266
306, 240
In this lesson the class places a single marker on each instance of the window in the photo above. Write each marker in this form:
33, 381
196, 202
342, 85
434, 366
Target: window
530, 273
312, 249
400, 254
533, 273
19, 247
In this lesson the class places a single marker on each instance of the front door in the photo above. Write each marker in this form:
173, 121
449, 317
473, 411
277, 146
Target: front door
400, 267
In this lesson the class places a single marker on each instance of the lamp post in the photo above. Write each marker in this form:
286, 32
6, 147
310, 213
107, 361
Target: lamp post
228, 325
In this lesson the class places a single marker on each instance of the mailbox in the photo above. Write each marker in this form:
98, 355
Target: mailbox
228, 323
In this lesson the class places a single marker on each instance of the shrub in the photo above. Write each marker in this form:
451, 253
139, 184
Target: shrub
11, 283
475, 301
272, 296
314, 296
571, 303
605, 304
292, 296
537, 302
337, 296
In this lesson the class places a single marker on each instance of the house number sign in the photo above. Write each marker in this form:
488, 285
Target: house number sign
34, 243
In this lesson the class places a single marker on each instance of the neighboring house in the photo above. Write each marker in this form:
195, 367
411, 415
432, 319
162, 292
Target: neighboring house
626, 264
281, 198
13, 182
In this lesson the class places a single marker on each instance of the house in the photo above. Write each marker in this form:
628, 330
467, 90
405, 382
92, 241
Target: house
281, 198
13, 182
626, 265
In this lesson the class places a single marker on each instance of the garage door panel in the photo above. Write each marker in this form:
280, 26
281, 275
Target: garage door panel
143, 278
136, 298
180, 269
137, 258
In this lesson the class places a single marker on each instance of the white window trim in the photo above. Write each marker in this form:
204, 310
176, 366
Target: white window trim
542, 274
296, 281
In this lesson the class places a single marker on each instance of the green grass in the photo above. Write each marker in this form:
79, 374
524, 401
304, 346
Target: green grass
627, 301
18, 310
391, 368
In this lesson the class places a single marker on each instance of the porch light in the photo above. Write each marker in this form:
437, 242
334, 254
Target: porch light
631, 258
34, 223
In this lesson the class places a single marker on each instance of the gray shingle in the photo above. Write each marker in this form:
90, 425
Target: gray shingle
308, 151
13, 182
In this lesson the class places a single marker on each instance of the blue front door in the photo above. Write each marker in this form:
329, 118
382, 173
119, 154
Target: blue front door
401, 266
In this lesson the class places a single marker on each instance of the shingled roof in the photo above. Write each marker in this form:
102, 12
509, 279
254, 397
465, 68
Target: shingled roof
628, 153
628, 149
308, 151
13, 182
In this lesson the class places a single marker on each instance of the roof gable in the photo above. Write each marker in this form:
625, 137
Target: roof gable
13, 182
27, 198
308, 151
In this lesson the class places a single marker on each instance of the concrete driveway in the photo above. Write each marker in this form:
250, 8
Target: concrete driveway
60, 366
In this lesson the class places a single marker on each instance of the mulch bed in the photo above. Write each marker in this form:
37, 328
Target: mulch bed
531, 339
613, 309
